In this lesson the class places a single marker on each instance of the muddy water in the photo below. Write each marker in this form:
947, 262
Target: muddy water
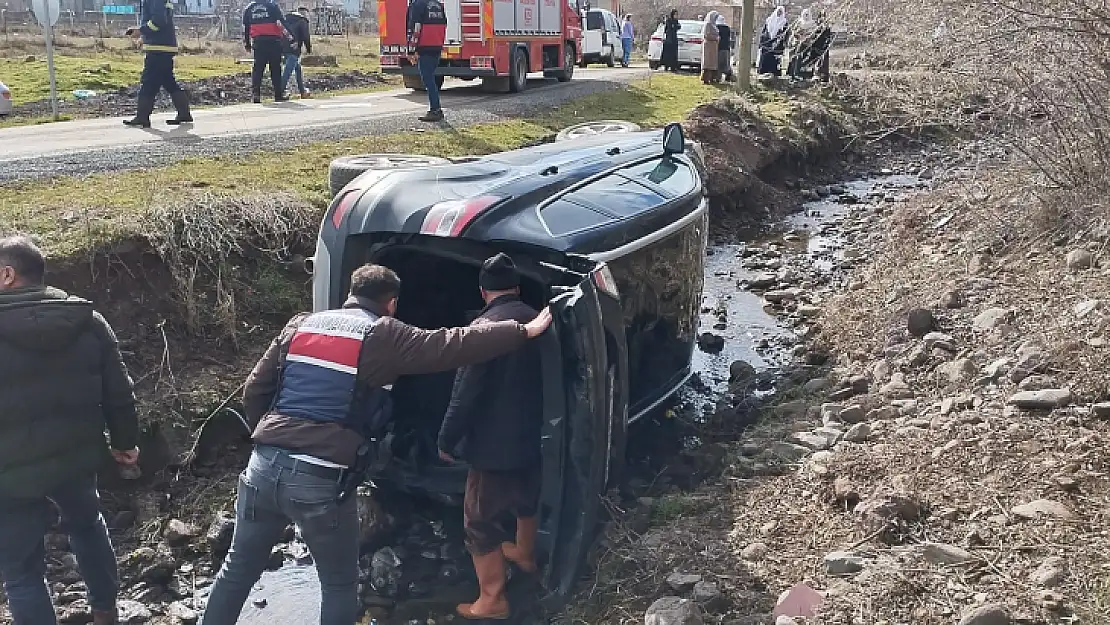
729, 310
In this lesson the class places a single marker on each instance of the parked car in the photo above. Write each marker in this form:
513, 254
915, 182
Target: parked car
5, 100
689, 45
601, 38
609, 229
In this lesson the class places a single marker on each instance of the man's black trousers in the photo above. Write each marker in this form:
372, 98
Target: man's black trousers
157, 75
267, 52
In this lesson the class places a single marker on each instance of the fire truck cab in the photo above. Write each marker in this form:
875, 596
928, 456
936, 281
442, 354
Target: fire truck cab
498, 41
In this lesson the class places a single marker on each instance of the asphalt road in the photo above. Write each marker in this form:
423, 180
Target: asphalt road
98, 145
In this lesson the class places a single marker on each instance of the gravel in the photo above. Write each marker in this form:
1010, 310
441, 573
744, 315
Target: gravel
540, 96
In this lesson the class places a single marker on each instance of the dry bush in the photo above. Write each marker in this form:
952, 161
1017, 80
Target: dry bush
223, 251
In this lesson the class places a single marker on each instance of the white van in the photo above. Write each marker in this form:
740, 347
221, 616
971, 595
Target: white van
601, 38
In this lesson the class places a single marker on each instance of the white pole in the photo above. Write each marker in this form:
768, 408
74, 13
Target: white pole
49, 29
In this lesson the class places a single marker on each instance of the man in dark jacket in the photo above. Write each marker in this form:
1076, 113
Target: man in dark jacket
264, 28
427, 30
320, 397
62, 383
497, 407
300, 35
159, 46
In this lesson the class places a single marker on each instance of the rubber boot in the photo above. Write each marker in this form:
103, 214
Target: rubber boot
492, 603
181, 103
143, 108
523, 552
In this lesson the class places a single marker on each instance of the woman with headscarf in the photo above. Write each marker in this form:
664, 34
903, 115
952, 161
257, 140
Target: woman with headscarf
669, 56
709, 41
724, 49
810, 38
772, 42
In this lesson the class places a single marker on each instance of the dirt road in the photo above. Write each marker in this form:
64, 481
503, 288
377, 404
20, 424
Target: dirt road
88, 146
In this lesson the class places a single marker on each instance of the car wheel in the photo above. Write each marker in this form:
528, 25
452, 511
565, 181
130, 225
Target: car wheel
414, 83
653, 64
346, 168
567, 73
611, 60
590, 129
518, 75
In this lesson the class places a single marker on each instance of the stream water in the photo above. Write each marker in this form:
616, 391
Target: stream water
805, 247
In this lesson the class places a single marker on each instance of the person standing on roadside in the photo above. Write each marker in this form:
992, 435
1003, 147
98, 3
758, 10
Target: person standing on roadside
320, 397
669, 56
710, 39
427, 28
264, 28
628, 36
300, 35
159, 39
62, 384
724, 49
497, 408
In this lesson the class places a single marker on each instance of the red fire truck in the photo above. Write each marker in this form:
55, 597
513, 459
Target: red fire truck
499, 41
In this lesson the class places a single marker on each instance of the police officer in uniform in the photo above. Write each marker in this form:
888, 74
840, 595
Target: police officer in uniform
160, 45
427, 27
320, 397
264, 28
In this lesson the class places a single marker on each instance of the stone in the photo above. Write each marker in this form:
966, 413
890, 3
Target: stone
754, 552
897, 388
996, 369
920, 322
219, 534
990, 319
131, 612
852, 414
709, 596
781, 297
798, 601
952, 300
814, 441
1080, 259
711, 343
881, 370
940, 553
1030, 360
182, 613
843, 563
939, 340
76, 613
888, 512
740, 371
1037, 383
958, 372
179, 533
1086, 307
673, 611
1043, 507
1046, 399
788, 451
763, 280
1050, 573
1101, 410
682, 582
990, 614
385, 572
858, 433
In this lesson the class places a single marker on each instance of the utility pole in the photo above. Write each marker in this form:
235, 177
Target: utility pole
747, 32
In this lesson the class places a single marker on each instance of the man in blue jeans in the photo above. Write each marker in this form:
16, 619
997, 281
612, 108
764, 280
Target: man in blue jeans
628, 34
427, 28
320, 395
62, 384
300, 36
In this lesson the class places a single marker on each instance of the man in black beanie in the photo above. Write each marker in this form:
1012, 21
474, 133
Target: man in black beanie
496, 411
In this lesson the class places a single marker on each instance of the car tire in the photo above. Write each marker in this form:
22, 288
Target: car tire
611, 60
344, 169
567, 73
653, 65
414, 83
606, 126
518, 72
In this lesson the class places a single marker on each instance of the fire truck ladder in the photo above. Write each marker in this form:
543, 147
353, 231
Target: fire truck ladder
471, 20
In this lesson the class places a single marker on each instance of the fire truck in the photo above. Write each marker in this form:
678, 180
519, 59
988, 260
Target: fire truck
498, 41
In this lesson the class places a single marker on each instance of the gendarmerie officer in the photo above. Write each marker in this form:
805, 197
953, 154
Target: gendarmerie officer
160, 46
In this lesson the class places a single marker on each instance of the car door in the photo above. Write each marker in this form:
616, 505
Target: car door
576, 450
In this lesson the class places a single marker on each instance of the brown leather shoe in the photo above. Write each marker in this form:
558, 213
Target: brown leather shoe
105, 618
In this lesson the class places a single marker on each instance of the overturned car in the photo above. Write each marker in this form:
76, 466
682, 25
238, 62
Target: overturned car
610, 229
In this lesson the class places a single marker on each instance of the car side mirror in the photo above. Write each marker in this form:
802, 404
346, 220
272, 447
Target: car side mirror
674, 141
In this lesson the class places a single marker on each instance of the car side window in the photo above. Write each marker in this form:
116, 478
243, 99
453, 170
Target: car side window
670, 175
563, 217
594, 21
619, 195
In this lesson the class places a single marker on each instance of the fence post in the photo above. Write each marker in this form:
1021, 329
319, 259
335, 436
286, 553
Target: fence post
747, 33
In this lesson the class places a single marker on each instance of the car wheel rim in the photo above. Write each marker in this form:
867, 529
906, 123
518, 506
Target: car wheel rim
601, 128
395, 161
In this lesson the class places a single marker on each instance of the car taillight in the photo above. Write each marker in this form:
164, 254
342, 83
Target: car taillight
696, 42
448, 219
603, 278
656, 38
343, 206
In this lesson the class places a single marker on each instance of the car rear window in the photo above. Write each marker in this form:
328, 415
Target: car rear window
691, 28
617, 195
671, 175
594, 21
563, 217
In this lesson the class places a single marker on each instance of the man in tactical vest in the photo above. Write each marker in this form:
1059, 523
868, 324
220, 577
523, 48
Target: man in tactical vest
427, 28
264, 29
159, 47
320, 397
62, 384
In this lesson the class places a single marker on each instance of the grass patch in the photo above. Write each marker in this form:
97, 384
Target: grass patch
114, 65
670, 507
69, 215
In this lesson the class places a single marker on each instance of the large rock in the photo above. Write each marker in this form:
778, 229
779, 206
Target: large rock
939, 340
1045, 508
1050, 573
991, 614
1031, 360
1080, 259
991, 319
132, 612
673, 611
920, 322
858, 433
958, 372
219, 534
682, 582
889, 514
179, 533
709, 596
1041, 400
843, 563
